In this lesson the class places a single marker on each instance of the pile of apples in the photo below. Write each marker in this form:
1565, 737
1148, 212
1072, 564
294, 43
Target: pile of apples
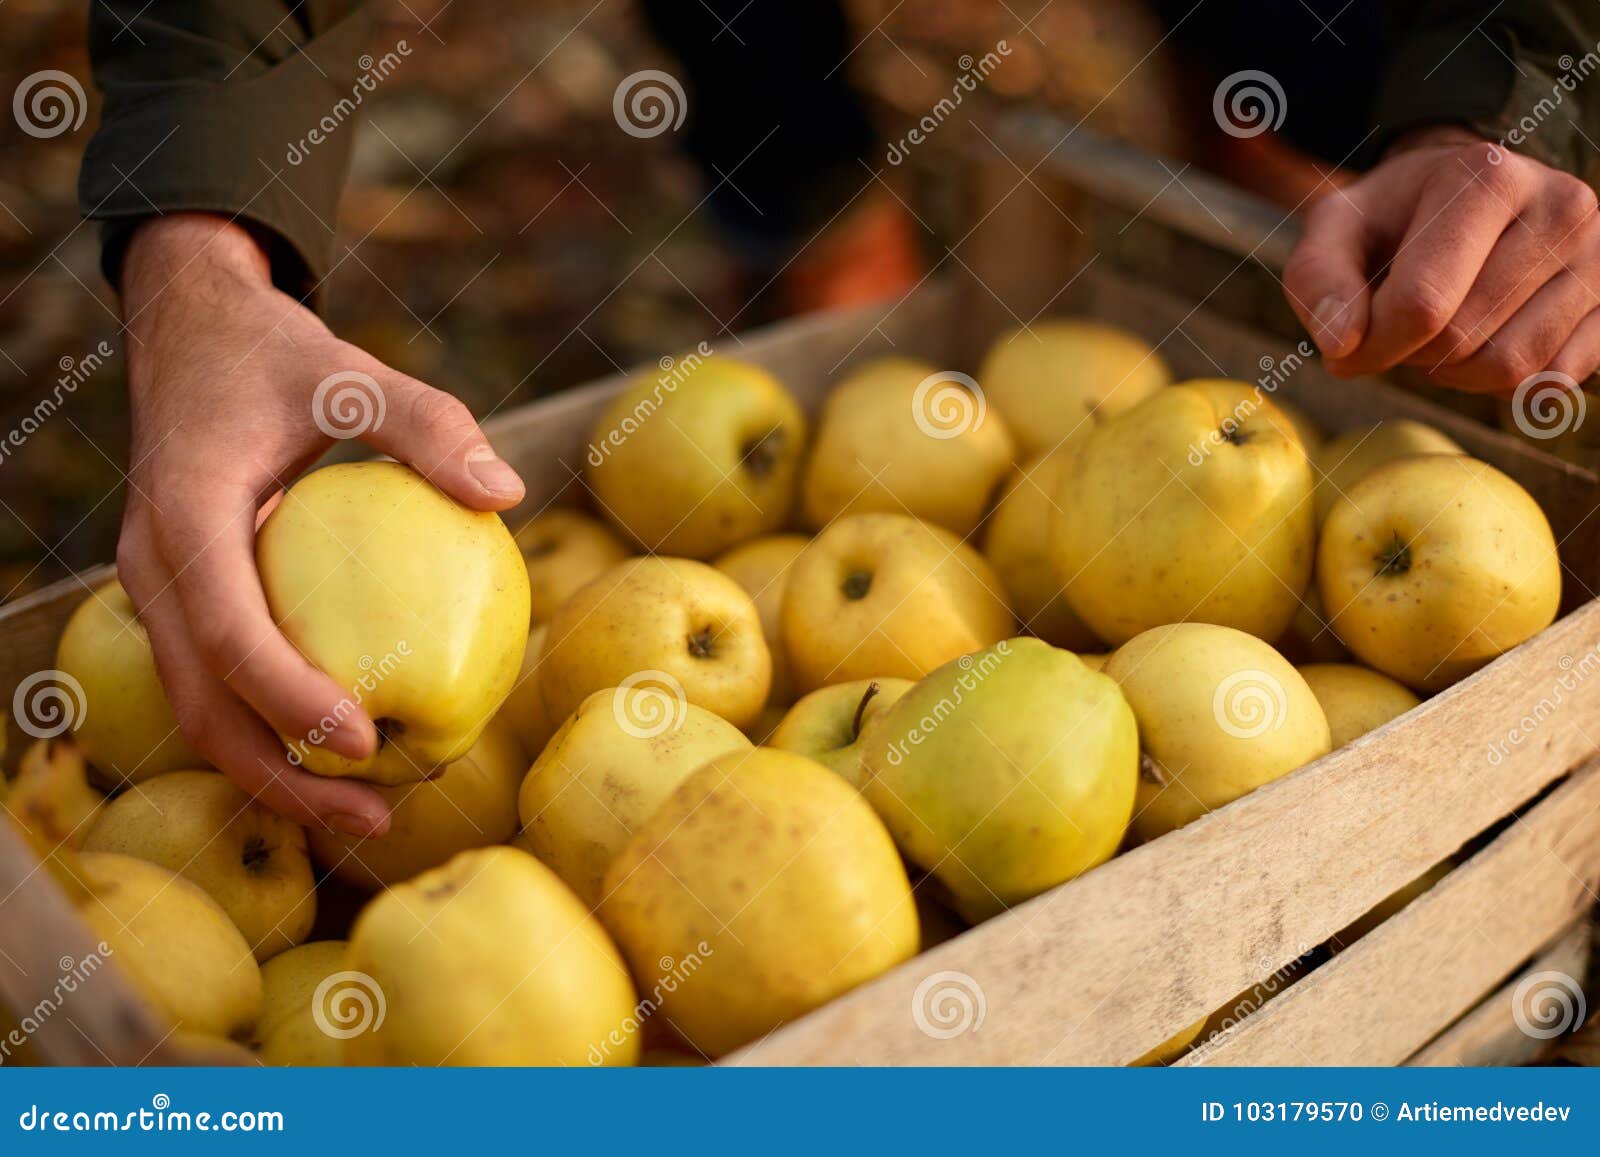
782, 709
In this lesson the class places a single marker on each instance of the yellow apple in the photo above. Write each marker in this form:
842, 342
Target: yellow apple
1311, 435
124, 726
1005, 773
174, 943
1310, 637
1220, 714
1170, 1050
564, 549
1392, 906
416, 604
698, 458
605, 773
1350, 457
488, 961
668, 623
1432, 566
898, 436
775, 879
1356, 700
524, 711
472, 804
246, 857
1095, 662
830, 724
887, 595
1018, 545
291, 981
1195, 505
762, 568
50, 797
1053, 380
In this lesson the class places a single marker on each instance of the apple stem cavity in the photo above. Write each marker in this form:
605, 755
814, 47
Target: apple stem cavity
701, 643
1395, 558
256, 854
388, 730
857, 585
861, 711
761, 456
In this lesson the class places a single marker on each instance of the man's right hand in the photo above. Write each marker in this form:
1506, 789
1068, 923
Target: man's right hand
222, 370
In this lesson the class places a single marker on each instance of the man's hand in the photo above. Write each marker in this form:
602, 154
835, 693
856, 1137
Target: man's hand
1479, 266
222, 369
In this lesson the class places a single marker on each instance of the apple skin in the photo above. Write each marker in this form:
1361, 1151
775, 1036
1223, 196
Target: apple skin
50, 797
775, 878
1220, 714
887, 595
888, 441
696, 460
416, 604
250, 860
127, 730
656, 616
471, 804
174, 942
943, 765
289, 1033
824, 725
1195, 505
762, 568
524, 710
564, 549
1477, 572
604, 774
1350, 457
490, 961
1355, 699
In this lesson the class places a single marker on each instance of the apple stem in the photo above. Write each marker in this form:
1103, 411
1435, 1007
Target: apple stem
861, 711
1395, 558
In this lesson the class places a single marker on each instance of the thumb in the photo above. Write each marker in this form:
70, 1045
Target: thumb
1326, 276
435, 434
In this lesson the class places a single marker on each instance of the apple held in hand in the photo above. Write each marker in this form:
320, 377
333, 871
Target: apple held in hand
830, 725
1006, 773
661, 621
125, 727
1195, 505
699, 457
1432, 566
900, 436
887, 595
415, 603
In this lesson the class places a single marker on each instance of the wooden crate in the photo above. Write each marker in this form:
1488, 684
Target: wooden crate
1102, 969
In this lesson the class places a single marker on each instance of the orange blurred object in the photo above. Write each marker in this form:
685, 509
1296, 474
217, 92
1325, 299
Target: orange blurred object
868, 254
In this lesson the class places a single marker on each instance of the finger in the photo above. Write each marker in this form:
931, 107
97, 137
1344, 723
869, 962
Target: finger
1325, 278
1456, 224
1580, 357
210, 552
435, 434
1525, 344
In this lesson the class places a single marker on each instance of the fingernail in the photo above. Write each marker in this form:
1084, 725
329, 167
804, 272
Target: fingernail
1331, 324
361, 827
348, 741
492, 473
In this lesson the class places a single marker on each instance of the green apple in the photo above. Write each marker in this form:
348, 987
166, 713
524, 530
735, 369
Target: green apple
416, 604
830, 724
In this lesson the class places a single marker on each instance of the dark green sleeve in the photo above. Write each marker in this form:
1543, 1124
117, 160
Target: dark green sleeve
1521, 72
241, 107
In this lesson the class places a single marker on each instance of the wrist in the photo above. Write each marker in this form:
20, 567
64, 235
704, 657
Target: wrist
180, 255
